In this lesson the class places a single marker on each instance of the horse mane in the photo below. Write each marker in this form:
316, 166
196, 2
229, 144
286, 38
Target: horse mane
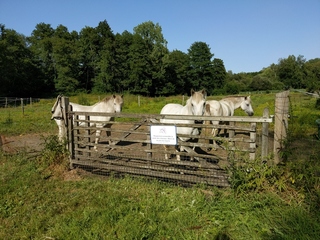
188, 102
235, 96
106, 99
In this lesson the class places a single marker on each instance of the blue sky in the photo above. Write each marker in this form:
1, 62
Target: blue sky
247, 35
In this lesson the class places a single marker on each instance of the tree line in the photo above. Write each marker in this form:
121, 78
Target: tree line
52, 61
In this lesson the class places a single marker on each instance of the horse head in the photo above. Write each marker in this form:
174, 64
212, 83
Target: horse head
246, 106
117, 103
197, 102
57, 109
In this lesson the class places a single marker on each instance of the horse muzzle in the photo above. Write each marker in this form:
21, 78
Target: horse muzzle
56, 118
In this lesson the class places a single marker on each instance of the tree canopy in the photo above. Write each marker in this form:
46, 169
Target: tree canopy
52, 61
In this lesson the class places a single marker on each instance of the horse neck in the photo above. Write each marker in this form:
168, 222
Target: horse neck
235, 102
108, 102
186, 109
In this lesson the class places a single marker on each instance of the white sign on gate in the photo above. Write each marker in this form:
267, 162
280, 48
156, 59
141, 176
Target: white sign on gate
166, 135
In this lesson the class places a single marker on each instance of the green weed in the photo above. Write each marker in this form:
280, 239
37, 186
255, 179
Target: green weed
8, 120
265, 201
255, 175
53, 155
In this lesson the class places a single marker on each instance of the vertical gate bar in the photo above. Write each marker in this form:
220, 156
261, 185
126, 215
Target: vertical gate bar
87, 131
265, 136
231, 153
253, 139
76, 116
68, 120
149, 154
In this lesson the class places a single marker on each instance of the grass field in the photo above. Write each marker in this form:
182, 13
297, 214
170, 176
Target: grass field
42, 199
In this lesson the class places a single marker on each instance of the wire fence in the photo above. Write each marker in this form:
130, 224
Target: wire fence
16, 101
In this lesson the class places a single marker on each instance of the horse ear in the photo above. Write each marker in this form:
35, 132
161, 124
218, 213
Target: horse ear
192, 91
114, 96
204, 92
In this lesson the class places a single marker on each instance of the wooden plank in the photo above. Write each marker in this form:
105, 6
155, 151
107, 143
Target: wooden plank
159, 174
158, 166
138, 156
206, 160
179, 117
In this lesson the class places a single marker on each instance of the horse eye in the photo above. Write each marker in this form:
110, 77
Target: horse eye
247, 105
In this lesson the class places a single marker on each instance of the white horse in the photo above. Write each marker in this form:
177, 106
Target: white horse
225, 107
195, 105
111, 104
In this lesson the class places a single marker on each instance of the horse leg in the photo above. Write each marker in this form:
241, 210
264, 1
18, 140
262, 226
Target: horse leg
62, 130
109, 134
177, 153
214, 133
61, 133
98, 132
225, 130
166, 149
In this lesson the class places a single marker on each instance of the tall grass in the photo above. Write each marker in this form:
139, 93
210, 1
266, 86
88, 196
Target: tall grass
35, 206
42, 199
33, 118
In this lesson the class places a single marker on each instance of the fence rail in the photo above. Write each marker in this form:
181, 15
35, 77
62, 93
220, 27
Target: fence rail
132, 150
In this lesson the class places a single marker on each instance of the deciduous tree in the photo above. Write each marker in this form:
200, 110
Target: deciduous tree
201, 67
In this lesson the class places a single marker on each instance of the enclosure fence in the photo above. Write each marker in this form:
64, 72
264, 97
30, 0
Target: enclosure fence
130, 148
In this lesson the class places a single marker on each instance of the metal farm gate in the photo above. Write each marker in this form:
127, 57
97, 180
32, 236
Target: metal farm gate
133, 149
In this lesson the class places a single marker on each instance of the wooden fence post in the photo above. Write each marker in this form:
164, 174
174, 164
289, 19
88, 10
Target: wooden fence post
265, 136
22, 107
69, 127
65, 105
280, 123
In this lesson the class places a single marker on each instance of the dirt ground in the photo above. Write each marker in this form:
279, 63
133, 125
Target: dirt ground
31, 143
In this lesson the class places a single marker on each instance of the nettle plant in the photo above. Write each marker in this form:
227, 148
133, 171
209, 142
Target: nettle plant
256, 175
